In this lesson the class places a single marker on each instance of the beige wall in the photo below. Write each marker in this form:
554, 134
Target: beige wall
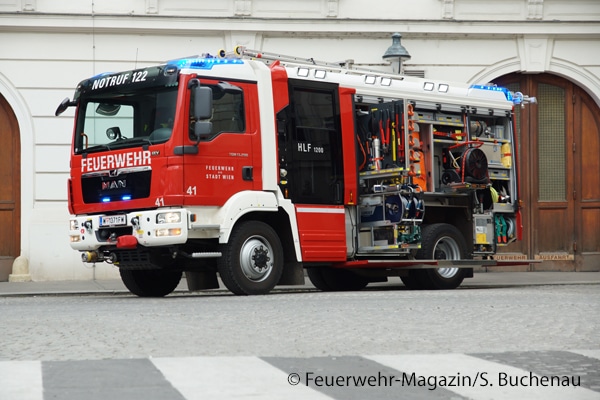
47, 47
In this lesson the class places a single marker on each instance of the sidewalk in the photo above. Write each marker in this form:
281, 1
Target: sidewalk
480, 280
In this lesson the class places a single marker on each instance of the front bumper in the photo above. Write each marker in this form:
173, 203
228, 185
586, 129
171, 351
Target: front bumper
150, 228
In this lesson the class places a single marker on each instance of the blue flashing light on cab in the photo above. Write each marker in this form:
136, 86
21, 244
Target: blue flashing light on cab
205, 63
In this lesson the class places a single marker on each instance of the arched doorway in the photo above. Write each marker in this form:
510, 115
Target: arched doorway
10, 189
559, 153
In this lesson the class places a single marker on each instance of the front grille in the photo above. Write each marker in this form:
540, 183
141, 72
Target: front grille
102, 188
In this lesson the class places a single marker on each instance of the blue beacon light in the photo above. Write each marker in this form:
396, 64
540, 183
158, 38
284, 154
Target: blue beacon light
507, 93
206, 63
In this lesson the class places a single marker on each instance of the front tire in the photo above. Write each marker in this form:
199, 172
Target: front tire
441, 242
150, 282
252, 261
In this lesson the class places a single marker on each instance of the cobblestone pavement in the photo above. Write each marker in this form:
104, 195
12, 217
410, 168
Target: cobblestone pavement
542, 330
301, 324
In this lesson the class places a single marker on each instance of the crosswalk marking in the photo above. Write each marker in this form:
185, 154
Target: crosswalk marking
230, 378
21, 380
489, 386
477, 377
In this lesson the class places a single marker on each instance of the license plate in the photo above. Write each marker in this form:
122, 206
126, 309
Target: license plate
112, 220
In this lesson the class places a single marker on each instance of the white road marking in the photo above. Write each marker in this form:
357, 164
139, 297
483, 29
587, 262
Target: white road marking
21, 380
199, 378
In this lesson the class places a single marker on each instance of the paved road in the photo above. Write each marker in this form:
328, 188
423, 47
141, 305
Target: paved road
224, 346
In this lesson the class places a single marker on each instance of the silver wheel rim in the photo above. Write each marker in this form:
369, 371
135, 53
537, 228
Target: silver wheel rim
256, 258
446, 248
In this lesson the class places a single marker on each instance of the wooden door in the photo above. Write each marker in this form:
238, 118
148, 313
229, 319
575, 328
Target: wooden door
10, 189
560, 172
586, 192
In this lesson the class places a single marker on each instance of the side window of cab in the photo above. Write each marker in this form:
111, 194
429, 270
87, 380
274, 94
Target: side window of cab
228, 111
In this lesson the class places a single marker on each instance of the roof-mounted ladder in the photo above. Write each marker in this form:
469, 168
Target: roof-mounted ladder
343, 66
241, 51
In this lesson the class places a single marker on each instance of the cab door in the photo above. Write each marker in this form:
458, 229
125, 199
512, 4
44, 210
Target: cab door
228, 157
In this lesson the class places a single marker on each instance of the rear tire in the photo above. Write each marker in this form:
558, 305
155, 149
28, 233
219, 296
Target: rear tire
336, 280
441, 242
252, 261
150, 282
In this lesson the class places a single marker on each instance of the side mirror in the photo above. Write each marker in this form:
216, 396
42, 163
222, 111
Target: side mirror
202, 97
113, 133
66, 103
202, 129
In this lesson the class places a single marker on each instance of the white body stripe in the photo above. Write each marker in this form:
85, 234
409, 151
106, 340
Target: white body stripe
320, 210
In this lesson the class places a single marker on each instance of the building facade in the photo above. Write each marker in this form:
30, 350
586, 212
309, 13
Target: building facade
544, 48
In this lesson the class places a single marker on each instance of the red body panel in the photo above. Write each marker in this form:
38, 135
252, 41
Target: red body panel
322, 232
166, 181
279, 80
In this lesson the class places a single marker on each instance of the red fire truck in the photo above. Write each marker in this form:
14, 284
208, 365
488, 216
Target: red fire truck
258, 167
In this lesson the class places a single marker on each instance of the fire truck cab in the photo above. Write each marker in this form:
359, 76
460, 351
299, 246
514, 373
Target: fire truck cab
257, 167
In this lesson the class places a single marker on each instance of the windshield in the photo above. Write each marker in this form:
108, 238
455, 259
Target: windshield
115, 120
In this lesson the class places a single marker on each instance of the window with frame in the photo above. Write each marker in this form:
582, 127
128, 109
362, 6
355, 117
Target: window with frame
228, 111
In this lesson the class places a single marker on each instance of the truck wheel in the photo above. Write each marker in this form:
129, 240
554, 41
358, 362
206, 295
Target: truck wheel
252, 261
441, 242
414, 280
150, 282
335, 280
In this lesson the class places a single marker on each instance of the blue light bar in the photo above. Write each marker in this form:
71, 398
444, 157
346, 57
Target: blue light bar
126, 197
106, 199
507, 93
205, 63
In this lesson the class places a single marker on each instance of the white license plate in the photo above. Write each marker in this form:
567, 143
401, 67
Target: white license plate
112, 220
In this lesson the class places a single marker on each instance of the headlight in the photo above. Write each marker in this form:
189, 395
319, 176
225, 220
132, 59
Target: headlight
168, 218
74, 225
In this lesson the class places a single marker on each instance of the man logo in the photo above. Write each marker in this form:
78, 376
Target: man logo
116, 184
